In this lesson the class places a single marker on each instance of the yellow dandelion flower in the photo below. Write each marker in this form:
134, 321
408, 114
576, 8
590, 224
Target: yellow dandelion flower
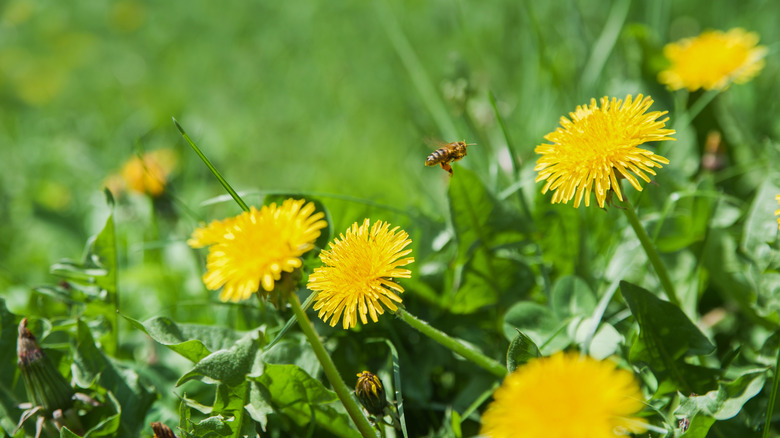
713, 60
147, 174
358, 271
254, 248
597, 141
565, 396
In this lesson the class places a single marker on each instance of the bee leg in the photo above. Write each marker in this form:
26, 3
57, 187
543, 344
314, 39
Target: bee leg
446, 167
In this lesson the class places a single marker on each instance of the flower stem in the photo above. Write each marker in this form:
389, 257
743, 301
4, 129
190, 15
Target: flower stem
452, 343
343, 392
652, 253
770, 409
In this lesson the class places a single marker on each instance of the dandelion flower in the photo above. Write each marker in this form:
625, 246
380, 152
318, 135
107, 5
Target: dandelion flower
149, 173
254, 248
565, 396
358, 271
589, 148
713, 60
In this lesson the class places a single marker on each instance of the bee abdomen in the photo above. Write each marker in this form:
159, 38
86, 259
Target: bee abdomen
436, 157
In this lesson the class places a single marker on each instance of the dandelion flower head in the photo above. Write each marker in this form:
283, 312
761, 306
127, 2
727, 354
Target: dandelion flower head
713, 60
565, 396
599, 145
254, 248
358, 272
149, 173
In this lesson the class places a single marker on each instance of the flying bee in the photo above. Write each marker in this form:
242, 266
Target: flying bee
447, 154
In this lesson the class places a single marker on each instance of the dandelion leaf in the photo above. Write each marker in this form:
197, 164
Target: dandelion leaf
304, 399
192, 341
521, 350
666, 336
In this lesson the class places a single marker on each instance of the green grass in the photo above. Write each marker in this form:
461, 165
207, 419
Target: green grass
341, 102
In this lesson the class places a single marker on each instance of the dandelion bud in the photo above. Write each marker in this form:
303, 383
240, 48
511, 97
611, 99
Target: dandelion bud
371, 393
46, 387
162, 431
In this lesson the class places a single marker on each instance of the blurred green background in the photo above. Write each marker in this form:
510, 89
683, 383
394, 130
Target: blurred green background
343, 100
307, 96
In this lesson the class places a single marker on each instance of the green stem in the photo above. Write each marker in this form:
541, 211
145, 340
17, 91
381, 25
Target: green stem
652, 253
452, 343
343, 392
771, 406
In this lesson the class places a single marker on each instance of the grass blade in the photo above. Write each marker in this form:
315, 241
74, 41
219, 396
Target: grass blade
211, 167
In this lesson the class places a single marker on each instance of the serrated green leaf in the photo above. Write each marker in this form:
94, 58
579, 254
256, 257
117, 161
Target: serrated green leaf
230, 366
299, 396
726, 401
259, 406
666, 335
520, 351
193, 341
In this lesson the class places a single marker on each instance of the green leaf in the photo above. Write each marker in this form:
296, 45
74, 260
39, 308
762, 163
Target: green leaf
482, 285
110, 415
521, 350
294, 349
213, 426
761, 224
686, 225
90, 365
300, 397
571, 296
666, 335
724, 403
471, 207
192, 341
230, 366
728, 273
66, 433
538, 323
103, 251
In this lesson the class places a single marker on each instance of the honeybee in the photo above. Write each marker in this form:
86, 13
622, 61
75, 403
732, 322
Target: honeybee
447, 154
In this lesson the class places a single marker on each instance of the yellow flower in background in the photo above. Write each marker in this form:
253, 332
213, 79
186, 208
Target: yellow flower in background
598, 146
565, 396
147, 174
254, 248
713, 60
358, 271
777, 212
